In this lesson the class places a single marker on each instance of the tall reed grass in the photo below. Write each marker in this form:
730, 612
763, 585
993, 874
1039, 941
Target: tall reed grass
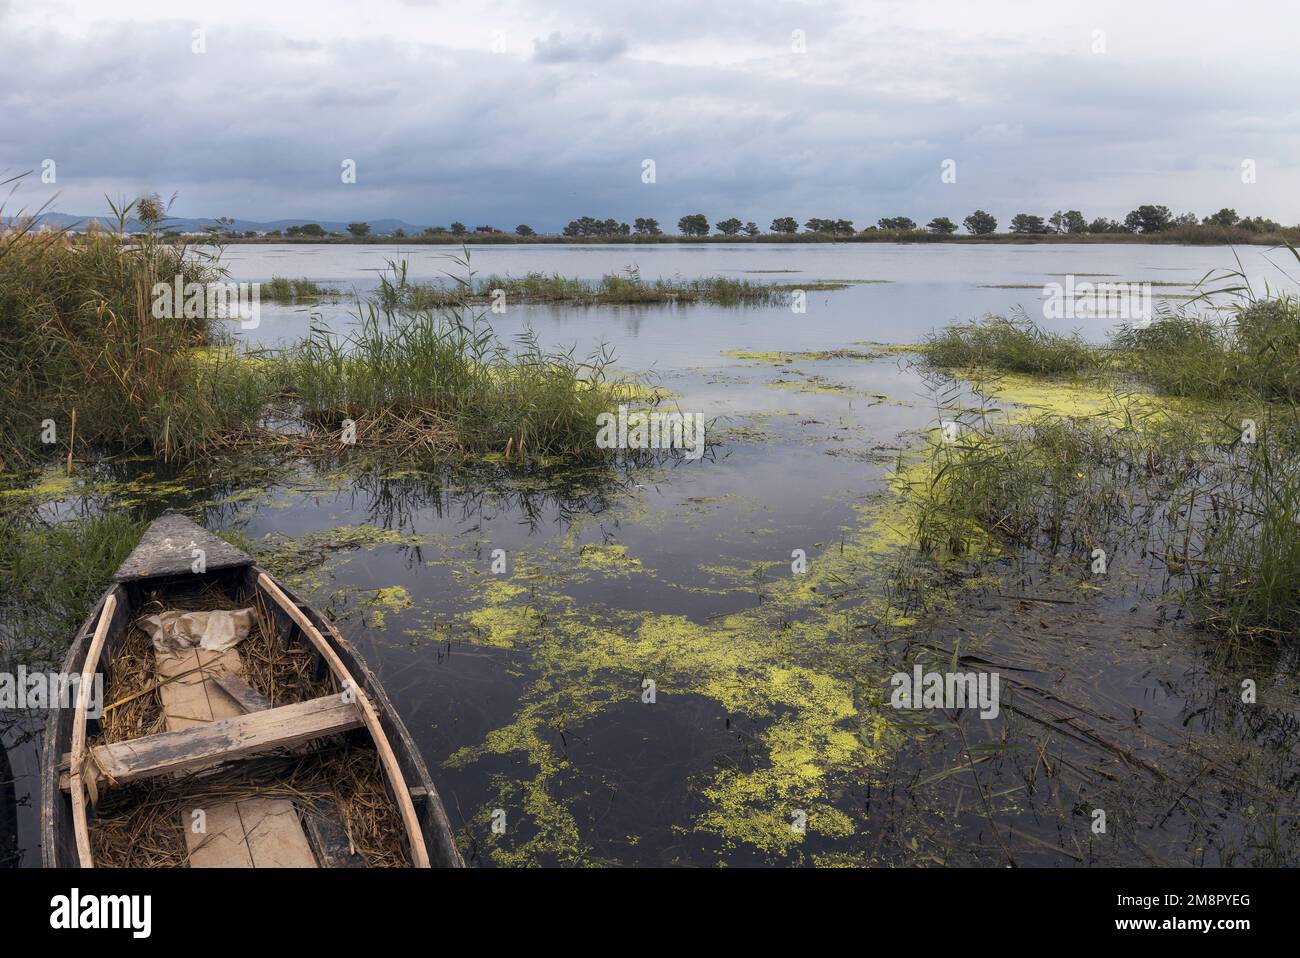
86, 367
1012, 345
1214, 503
50, 575
442, 379
85, 361
626, 288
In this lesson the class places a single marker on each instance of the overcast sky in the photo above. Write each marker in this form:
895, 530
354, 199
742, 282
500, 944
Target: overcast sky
506, 112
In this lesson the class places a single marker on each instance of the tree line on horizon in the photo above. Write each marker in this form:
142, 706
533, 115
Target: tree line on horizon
1146, 219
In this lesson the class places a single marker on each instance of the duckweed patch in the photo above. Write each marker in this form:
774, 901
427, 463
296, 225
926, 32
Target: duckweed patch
802, 666
608, 559
784, 358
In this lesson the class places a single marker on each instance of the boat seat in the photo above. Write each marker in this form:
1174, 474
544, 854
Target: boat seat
212, 743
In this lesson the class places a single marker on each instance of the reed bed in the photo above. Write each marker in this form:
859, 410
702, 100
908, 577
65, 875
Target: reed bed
413, 381
50, 574
1011, 345
89, 368
1204, 504
282, 289
626, 288
84, 353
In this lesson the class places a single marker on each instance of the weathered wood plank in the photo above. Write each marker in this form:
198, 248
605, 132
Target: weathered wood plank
392, 770
253, 833
221, 842
201, 746
329, 837
245, 696
77, 762
168, 547
188, 697
274, 834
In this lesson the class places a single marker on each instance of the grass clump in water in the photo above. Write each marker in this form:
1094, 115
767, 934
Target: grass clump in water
1011, 345
86, 366
1257, 352
50, 575
442, 382
626, 288
1193, 498
281, 289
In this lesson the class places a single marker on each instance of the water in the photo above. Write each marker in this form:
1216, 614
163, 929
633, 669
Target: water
927, 286
527, 691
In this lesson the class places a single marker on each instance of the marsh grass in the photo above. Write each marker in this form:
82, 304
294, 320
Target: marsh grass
1220, 511
1010, 345
281, 289
88, 369
84, 355
1183, 495
50, 575
441, 381
1249, 572
1256, 352
626, 288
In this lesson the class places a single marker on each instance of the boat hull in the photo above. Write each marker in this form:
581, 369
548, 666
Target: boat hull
58, 837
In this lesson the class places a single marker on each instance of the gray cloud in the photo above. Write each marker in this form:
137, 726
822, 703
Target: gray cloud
441, 128
587, 48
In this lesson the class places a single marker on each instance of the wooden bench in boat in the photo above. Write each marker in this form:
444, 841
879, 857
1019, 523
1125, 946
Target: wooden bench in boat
225, 740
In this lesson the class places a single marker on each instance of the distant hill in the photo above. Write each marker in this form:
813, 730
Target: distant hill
186, 224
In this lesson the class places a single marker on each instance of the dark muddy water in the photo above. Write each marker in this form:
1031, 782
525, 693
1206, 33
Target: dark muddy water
650, 681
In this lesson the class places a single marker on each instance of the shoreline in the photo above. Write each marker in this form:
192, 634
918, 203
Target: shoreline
1290, 236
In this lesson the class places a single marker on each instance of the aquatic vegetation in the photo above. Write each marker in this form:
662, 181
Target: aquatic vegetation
1012, 345
86, 362
1256, 351
50, 576
421, 385
820, 384
380, 601
801, 671
768, 358
281, 289
608, 559
1213, 490
287, 558
91, 368
627, 288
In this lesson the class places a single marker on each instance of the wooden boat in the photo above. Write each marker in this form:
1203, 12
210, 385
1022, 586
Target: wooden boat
238, 729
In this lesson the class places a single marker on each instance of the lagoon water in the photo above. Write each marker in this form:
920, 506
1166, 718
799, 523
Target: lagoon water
527, 691
925, 286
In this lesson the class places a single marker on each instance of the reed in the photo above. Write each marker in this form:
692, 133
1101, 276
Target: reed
88, 368
1187, 497
443, 381
50, 574
1010, 345
282, 289
86, 363
626, 288
1256, 352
